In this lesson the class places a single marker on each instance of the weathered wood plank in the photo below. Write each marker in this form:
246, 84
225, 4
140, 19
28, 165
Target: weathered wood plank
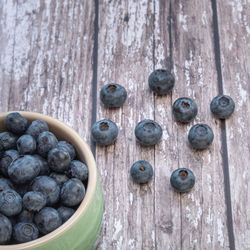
234, 31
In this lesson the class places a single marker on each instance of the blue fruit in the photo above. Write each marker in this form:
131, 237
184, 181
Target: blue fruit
222, 106
45, 142
24, 169
113, 95
72, 192
26, 144
25, 216
184, 109
25, 232
79, 170
44, 166
148, 132
37, 127
16, 123
104, 132
5, 229
34, 201
69, 148
8, 140
8, 157
141, 172
65, 213
182, 180
161, 81
59, 178
5, 184
59, 159
47, 220
10, 202
200, 136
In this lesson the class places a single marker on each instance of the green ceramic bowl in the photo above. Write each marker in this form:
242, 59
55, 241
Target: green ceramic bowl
82, 230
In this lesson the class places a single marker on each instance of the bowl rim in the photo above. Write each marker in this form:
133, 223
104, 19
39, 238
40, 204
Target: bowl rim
92, 180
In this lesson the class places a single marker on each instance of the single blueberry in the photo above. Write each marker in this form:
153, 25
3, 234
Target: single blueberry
79, 170
45, 142
34, 201
26, 144
24, 169
44, 166
222, 106
148, 132
5, 184
59, 178
69, 148
104, 132
182, 180
200, 136
72, 192
8, 157
65, 213
48, 187
5, 229
113, 95
184, 109
25, 216
25, 232
37, 127
8, 140
10, 202
59, 159
141, 172
47, 220
16, 123
161, 81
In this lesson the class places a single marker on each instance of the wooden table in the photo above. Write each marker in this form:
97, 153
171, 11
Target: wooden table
55, 57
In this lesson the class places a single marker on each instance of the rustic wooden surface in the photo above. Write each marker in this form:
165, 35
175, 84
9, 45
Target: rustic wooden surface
56, 55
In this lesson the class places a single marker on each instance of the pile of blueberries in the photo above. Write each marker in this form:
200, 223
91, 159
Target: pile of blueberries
149, 132
41, 183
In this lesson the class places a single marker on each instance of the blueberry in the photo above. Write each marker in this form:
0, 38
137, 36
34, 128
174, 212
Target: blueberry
24, 169
5, 229
26, 144
148, 132
222, 106
48, 187
69, 148
200, 136
25, 216
37, 127
34, 201
161, 81
185, 109
59, 178
59, 159
182, 180
5, 184
65, 213
16, 123
72, 192
25, 232
141, 171
47, 220
8, 157
10, 202
79, 170
8, 140
104, 132
44, 166
45, 142
113, 95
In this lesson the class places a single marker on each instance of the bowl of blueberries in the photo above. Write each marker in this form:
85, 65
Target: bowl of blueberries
50, 191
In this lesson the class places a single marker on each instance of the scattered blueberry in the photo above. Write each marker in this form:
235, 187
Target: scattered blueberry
113, 95
47, 220
24, 232
104, 132
37, 127
69, 148
8, 140
5, 229
161, 81
141, 172
8, 157
59, 178
185, 109
10, 202
200, 136
16, 123
24, 169
79, 170
34, 201
44, 166
25, 216
182, 180
45, 142
72, 192
5, 184
222, 106
65, 213
148, 132
26, 144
